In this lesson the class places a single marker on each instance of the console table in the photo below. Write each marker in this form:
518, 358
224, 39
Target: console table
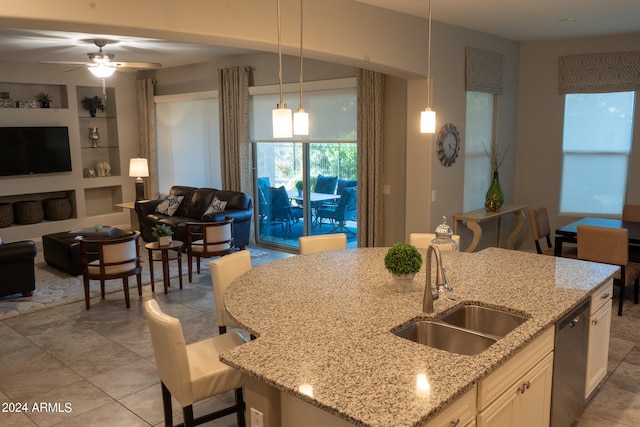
475, 219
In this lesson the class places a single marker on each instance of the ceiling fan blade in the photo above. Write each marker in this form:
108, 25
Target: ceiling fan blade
143, 65
64, 62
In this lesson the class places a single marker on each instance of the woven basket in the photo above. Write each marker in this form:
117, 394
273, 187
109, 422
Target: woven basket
28, 212
57, 209
6, 215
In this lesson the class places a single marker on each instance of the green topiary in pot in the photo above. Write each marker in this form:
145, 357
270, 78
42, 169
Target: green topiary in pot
403, 261
403, 258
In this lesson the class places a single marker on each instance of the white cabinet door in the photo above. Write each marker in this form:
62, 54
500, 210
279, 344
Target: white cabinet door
598, 353
526, 403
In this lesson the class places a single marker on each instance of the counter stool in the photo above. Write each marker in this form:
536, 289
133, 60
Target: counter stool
193, 372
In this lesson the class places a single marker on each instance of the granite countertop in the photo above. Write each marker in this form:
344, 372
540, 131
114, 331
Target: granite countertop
323, 321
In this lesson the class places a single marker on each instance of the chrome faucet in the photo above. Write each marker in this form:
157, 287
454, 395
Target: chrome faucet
441, 281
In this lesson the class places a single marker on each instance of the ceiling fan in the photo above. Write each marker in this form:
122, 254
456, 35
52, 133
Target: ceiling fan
101, 64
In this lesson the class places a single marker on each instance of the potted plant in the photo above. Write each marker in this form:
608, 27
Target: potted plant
163, 233
299, 187
44, 99
403, 261
92, 104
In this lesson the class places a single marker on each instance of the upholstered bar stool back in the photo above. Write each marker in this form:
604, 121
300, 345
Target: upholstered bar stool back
193, 372
422, 240
322, 242
225, 270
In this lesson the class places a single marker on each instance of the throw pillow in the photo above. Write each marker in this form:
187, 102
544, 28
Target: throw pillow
216, 205
170, 205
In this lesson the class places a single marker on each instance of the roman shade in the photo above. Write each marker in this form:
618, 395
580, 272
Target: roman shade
599, 73
483, 70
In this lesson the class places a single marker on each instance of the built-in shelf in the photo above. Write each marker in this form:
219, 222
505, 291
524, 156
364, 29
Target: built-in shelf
27, 92
100, 164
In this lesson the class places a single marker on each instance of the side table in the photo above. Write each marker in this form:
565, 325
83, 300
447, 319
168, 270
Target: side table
133, 216
475, 218
165, 254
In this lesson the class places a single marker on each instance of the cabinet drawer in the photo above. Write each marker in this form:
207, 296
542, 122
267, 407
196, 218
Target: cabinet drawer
508, 374
601, 296
460, 413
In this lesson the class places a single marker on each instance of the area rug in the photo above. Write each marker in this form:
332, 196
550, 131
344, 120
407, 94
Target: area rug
55, 287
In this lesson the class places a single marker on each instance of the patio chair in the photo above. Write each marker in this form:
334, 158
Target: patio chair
344, 211
280, 209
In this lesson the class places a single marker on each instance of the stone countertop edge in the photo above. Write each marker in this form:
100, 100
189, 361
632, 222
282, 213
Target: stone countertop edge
330, 328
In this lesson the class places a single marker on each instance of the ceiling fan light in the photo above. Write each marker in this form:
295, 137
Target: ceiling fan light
282, 122
102, 70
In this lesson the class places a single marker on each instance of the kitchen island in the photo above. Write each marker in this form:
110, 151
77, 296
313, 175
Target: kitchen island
323, 324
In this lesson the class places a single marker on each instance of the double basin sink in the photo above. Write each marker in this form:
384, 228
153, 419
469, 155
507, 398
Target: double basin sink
469, 330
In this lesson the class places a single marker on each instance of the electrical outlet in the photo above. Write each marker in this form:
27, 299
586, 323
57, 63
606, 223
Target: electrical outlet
256, 418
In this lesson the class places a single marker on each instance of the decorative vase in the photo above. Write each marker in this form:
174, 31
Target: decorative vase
495, 197
403, 282
94, 136
92, 112
45, 104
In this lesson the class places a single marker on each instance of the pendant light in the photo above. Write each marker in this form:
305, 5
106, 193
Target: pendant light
281, 116
301, 117
428, 116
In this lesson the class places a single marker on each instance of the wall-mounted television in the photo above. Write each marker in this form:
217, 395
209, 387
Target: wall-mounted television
34, 150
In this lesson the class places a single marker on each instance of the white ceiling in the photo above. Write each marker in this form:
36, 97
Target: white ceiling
521, 20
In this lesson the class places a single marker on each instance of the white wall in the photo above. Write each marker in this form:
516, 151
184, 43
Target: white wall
540, 122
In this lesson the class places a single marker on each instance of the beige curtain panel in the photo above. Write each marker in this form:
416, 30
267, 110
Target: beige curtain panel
234, 128
599, 73
483, 70
145, 90
370, 158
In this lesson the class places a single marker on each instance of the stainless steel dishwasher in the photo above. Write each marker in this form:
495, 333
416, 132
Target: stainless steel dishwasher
570, 366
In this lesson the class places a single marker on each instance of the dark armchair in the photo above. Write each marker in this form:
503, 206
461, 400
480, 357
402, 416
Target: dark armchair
344, 210
17, 267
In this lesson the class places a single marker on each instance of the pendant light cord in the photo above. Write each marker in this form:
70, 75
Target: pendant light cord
280, 56
301, 16
429, 60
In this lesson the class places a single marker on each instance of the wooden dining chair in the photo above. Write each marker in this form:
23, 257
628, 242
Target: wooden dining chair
631, 212
194, 372
225, 270
322, 242
610, 246
111, 259
540, 229
208, 239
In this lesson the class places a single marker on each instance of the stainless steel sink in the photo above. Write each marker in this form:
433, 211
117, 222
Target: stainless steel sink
445, 337
484, 320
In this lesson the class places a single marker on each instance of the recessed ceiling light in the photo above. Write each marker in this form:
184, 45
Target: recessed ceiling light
564, 20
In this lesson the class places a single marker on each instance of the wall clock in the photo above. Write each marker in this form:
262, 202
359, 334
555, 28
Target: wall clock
448, 144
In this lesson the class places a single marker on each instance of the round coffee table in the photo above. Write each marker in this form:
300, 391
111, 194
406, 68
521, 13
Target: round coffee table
165, 254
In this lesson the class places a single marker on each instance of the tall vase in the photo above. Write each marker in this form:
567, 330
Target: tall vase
94, 136
495, 197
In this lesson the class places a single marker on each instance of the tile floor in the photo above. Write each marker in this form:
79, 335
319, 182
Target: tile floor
96, 367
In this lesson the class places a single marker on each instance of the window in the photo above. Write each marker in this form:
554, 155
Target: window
479, 134
188, 140
596, 144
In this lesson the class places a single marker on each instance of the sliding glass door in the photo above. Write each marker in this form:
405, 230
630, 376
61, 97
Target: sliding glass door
306, 186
